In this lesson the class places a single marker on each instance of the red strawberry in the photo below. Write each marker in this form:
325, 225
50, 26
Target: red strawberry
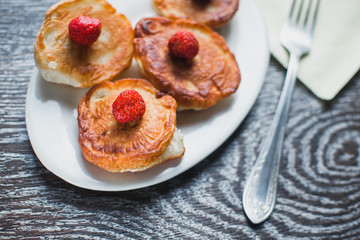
183, 44
129, 106
85, 30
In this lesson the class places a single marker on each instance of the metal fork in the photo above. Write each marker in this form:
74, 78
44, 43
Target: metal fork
260, 189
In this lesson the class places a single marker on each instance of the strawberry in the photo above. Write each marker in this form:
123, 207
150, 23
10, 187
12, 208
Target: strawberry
129, 106
183, 44
84, 30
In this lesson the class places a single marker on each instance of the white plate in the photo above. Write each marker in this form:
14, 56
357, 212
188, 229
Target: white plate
51, 110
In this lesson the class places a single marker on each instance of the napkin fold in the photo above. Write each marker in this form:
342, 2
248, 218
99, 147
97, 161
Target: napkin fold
335, 54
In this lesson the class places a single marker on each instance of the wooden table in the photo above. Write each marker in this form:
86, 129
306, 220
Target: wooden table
319, 184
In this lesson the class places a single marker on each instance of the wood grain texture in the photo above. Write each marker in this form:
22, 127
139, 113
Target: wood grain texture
319, 185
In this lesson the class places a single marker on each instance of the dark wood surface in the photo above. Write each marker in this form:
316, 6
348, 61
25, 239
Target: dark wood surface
319, 184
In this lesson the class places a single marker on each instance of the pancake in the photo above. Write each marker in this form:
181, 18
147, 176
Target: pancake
133, 146
214, 13
198, 83
61, 60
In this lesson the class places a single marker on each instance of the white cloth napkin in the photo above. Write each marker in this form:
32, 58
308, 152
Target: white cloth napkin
335, 55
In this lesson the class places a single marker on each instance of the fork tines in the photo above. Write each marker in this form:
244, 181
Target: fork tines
304, 10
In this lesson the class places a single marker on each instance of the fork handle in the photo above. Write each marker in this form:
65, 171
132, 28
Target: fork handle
260, 189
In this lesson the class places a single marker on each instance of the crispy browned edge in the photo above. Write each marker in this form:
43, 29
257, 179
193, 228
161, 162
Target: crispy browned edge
40, 45
149, 162
215, 23
187, 102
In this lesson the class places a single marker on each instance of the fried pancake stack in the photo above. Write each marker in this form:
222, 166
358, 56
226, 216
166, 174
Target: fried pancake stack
197, 83
133, 146
61, 60
213, 13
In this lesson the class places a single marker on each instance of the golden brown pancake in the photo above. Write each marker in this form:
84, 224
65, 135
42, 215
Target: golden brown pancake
197, 83
61, 60
133, 146
214, 13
